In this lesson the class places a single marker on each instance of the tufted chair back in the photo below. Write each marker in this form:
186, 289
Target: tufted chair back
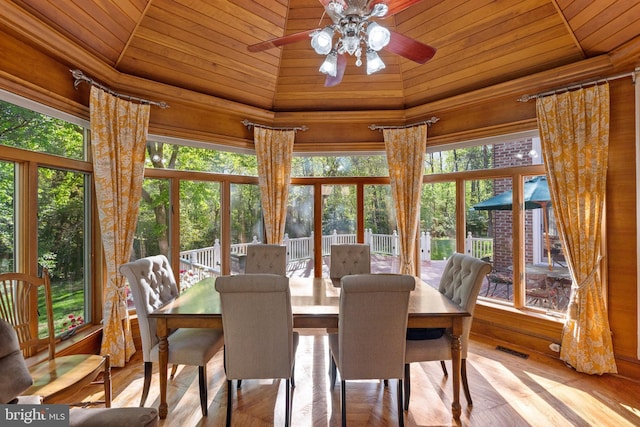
350, 258
461, 281
266, 259
153, 285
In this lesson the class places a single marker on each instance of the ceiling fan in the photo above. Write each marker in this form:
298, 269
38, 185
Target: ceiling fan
356, 32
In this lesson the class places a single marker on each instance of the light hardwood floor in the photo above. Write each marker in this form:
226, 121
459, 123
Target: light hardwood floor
507, 390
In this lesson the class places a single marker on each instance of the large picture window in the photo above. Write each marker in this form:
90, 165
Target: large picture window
55, 233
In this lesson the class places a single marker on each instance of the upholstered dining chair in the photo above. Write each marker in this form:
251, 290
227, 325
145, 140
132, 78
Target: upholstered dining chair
59, 377
266, 258
349, 258
258, 328
461, 281
15, 379
153, 285
372, 324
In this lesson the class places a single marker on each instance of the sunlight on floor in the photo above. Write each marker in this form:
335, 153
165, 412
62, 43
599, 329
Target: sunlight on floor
520, 396
575, 399
634, 411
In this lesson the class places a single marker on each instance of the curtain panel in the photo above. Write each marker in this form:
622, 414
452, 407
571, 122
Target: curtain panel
574, 130
274, 149
405, 156
118, 139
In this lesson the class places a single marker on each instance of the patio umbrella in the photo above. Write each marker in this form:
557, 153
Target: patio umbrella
536, 196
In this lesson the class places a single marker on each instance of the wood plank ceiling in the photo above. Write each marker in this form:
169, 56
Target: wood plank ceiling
201, 45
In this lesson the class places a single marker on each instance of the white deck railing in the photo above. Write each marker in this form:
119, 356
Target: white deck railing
197, 264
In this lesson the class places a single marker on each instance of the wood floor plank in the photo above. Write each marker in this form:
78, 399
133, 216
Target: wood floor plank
507, 391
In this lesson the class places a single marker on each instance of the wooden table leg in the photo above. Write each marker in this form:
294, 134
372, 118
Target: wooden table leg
456, 347
163, 347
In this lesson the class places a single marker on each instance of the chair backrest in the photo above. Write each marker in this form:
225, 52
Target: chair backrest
152, 285
257, 325
461, 281
266, 258
372, 325
19, 295
14, 374
349, 258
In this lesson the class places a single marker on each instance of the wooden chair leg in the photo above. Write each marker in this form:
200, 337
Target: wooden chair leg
107, 381
343, 394
444, 368
293, 375
148, 370
287, 403
202, 379
400, 411
332, 373
174, 369
229, 400
407, 385
465, 384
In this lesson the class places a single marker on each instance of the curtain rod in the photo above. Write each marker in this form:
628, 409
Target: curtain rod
429, 122
250, 124
80, 77
632, 74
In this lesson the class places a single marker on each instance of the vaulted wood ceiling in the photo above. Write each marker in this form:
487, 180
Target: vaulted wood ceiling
201, 45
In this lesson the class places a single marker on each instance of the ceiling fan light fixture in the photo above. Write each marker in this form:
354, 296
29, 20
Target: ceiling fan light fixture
322, 40
374, 63
377, 36
379, 10
351, 44
330, 64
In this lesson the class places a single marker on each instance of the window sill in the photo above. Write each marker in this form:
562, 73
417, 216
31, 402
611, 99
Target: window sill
72, 345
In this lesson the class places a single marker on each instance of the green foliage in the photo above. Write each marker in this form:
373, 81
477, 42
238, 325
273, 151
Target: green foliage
23, 128
7, 226
442, 248
326, 166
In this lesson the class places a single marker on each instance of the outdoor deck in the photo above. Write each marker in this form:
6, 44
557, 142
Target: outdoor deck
499, 288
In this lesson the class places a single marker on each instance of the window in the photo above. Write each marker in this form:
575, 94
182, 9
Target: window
381, 228
338, 165
63, 239
200, 222
7, 220
60, 186
166, 153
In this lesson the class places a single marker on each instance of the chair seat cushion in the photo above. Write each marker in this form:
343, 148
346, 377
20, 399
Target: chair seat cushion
113, 417
435, 349
192, 346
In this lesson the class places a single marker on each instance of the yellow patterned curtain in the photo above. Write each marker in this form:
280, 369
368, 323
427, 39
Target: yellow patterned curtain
574, 128
118, 139
405, 156
274, 148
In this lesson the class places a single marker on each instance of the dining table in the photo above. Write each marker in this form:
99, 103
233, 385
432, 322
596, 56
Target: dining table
314, 304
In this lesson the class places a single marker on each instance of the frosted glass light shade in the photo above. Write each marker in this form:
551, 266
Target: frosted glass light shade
321, 41
378, 36
374, 63
330, 64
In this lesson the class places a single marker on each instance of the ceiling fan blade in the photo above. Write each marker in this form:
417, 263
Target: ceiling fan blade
395, 6
410, 48
341, 66
280, 41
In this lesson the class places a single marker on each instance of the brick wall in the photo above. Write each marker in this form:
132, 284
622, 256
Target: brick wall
505, 155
